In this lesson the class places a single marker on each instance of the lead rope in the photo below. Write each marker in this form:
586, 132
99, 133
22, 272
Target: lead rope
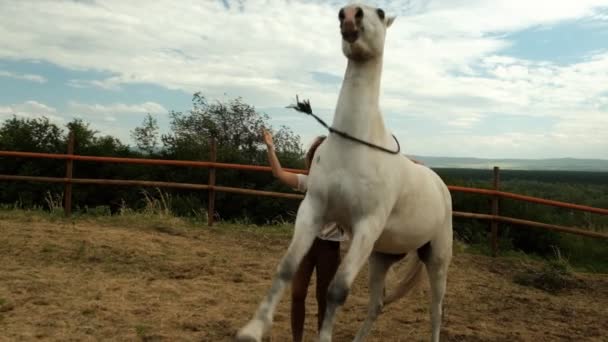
305, 108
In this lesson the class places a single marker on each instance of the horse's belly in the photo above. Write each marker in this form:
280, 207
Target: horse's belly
408, 231
402, 239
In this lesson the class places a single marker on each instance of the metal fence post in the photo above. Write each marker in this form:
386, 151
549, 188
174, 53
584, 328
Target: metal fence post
211, 201
494, 223
69, 166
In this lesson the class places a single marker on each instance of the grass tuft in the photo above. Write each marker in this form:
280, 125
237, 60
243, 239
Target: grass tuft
555, 276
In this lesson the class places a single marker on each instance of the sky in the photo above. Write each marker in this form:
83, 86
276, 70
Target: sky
461, 78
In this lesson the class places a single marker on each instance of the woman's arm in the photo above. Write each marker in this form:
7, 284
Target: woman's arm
288, 178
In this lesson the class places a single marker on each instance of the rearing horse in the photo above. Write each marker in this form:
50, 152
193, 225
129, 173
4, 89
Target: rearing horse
392, 205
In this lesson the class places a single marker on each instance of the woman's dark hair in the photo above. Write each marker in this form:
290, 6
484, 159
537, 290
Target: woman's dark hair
311, 151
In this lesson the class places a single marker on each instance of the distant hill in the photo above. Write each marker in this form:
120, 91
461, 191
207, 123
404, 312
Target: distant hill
557, 164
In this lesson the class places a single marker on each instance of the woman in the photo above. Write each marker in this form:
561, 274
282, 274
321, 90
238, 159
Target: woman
324, 254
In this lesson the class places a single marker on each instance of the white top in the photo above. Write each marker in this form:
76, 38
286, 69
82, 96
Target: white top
330, 231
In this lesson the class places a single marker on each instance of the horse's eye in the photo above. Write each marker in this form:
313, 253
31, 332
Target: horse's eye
341, 14
380, 13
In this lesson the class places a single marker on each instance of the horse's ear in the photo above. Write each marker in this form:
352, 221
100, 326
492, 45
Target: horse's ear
389, 21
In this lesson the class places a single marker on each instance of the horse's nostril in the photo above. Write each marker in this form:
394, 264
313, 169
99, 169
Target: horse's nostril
359, 13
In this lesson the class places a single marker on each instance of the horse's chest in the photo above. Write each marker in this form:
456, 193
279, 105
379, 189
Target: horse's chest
350, 194
350, 185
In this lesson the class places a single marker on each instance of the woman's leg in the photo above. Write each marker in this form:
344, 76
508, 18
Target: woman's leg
327, 261
299, 289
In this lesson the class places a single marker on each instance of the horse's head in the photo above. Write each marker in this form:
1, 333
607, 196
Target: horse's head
363, 30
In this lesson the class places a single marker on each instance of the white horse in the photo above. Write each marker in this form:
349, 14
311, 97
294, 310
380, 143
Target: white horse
392, 205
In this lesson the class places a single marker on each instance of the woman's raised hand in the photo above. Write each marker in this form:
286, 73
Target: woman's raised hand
268, 138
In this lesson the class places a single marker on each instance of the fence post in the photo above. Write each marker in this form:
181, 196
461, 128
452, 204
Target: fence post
69, 166
494, 223
211, 201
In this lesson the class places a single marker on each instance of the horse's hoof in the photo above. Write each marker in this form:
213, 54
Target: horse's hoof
252, 332
245, 338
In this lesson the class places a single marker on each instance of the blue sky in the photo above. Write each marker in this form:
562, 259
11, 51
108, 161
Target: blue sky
500, 79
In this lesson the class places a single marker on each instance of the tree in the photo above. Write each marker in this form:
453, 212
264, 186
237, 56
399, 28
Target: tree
88, 142
237, 130
31, 135
83, 135
146, 136
235, 126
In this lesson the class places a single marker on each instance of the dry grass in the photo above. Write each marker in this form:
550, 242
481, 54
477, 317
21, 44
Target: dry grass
152, 279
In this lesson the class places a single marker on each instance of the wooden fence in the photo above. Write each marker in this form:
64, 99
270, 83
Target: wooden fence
494, 218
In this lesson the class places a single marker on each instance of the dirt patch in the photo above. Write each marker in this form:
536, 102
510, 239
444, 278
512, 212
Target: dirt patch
86, 280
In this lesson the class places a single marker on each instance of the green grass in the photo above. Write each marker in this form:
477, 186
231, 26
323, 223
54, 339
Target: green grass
157, 221
142, 332
5, 306
583, 254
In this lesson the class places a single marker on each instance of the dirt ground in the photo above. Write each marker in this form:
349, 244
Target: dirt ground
128, 279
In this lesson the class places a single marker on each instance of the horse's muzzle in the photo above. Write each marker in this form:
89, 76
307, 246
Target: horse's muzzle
350, 35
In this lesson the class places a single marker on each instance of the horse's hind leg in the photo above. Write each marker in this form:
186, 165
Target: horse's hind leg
437, 263
308, 223
437, 272
379, 265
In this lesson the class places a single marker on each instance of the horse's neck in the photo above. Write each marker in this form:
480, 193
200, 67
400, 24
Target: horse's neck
358, 110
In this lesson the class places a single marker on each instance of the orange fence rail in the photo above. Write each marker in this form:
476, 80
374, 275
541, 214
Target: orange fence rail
530, 199
142, 161
211, 187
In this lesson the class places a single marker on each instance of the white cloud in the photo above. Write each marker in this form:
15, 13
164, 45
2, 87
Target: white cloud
262, 53
30, 109
443, 60
109, 118
476, 17
25, 77
465, 121
112, 83
115, 108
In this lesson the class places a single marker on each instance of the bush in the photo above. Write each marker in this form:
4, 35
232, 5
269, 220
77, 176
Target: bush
555, 275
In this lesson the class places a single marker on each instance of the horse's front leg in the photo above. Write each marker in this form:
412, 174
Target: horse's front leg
365, 234
308, 224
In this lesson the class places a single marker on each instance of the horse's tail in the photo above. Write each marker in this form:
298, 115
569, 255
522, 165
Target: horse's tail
411, 276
